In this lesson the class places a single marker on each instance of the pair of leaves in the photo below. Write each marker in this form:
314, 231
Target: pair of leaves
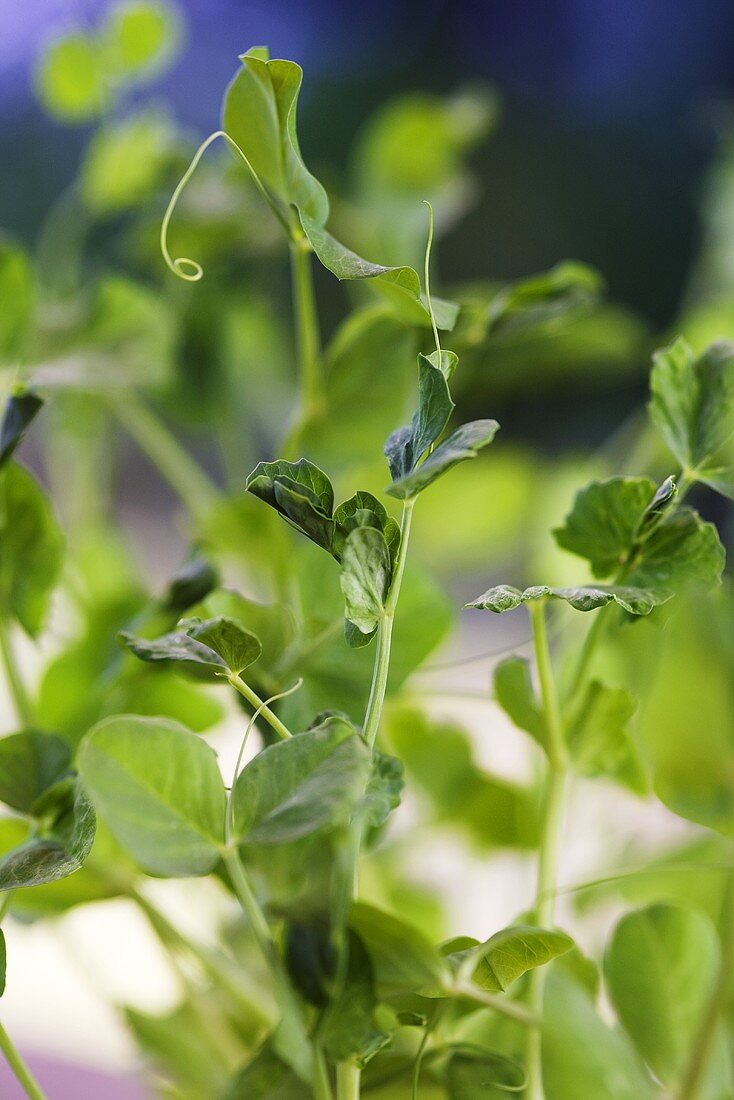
217, 647
359, 534
626, 524
636, 601
259, 114
692, 407
406, 446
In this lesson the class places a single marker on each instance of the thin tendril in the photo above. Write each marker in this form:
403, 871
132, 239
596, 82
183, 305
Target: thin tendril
427, 276
183, 266
229, 817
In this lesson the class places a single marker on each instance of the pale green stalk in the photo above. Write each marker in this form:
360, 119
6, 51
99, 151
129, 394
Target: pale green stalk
348, 1076
260, 705
709, 1026
21, 1071
18, 691
550, 839
193, 487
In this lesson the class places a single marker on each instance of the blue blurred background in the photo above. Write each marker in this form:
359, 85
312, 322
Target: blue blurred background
610, 117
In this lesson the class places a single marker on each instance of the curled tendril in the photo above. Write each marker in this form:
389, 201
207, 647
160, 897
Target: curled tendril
229, 818
427, 275
183, 266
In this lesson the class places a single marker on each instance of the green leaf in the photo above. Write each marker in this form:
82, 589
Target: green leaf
266, 1077
193, 582
17, 293
406, 446
582, 1056
308, 784
31, 548
403, 960
3, 962
544, 300
605, 520
30, 763
498, 962
347, 1028
237, 647
462, 444
158, 788
365, 510
513, 690
301, 493
259, 113
178, 647
400, 285
599, 739
70, 79
474, 1073
138, 37
692, 403
20, 410
681, 550
636, 601
660, 968
365, 577
64, 840
384, 788
126, 163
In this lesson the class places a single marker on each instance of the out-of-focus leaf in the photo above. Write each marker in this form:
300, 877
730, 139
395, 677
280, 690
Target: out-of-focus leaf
384, 788
660, 967
582, 1056
20, 410
498, 962
126, 162
636, 601
30, 763
438, 758
599, 739
63, 841
31, 548
513, 690
692, 403
267, 1078
70, 78
17, 293
158, 788
193, 582
347, 1028
543, 300
474, 1073
138, 37
403, 960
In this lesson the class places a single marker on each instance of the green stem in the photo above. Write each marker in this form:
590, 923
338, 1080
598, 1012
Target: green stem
292, 1038
308, 345
254, 699
550, 840
24, 1076
321, 1082
347, 1081
193, 487
503, 1005
21, 698
708, 1030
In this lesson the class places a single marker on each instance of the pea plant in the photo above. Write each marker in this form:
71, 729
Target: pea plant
324, 980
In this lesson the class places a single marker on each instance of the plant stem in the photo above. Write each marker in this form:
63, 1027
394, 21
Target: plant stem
551, 828
308, 345
193, 487
503, 1005
21, 698
348, 1073
347, 1081
24, 1076
254, 699
708, 1029
292, 1030
321, 1082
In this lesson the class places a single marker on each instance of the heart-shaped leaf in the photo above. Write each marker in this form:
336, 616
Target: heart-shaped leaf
158, 788
498, 962
308, 784
365, 577
599, 739
64, 840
